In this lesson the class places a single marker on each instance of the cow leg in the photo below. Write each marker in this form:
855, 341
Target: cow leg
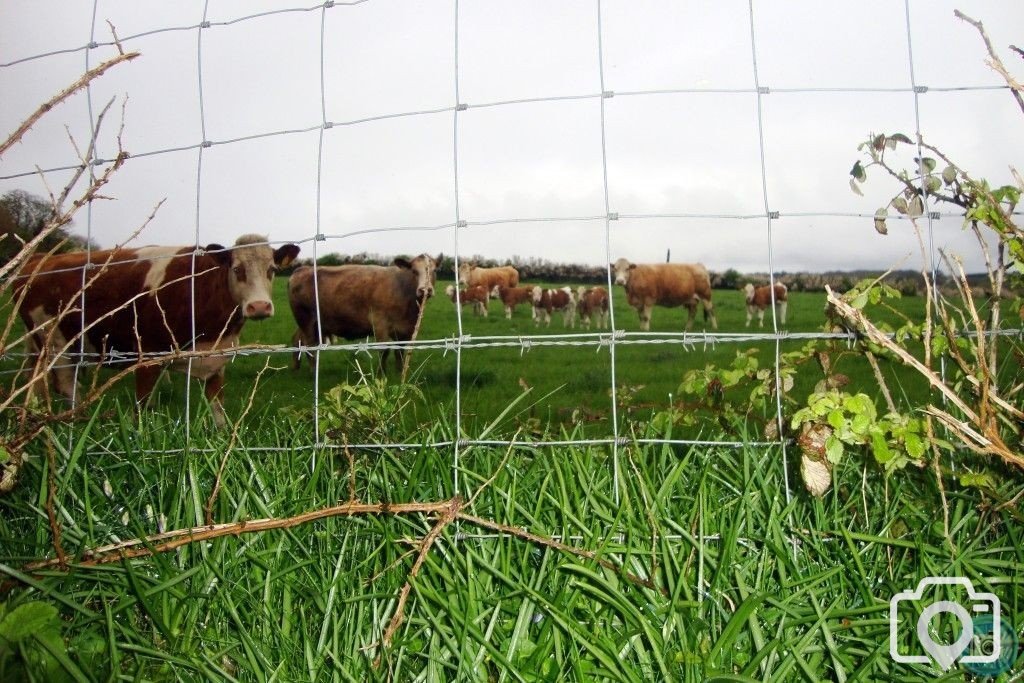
645, 317
508, 312
750, 315
760, 317
213, 389
782, 312
709, 314
691, 313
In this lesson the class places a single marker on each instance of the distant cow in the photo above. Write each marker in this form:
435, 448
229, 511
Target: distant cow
592, 302
477, 296
760, 298
359, 301
513, 296
547, 300
140, 301
471, 276
666, 284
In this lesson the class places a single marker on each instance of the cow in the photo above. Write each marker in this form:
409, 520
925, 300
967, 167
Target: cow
478, 296
471, 276
666, 284
149, 300
592, 302
760, 298
547, 300
359, 301
513, 296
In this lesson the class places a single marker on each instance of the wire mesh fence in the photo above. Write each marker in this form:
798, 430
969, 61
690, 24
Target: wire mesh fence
320, 239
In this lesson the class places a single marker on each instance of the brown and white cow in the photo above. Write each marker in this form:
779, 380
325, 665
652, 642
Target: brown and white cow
513, 296
359, 301
545, 301
593, 302
478, 296
471, 276
140, 301
668, 285
760, 298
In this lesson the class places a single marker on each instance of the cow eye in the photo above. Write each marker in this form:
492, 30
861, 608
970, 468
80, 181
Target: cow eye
239, 272
270, 272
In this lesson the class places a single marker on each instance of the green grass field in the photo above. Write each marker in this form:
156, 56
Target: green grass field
679, 563
570, 385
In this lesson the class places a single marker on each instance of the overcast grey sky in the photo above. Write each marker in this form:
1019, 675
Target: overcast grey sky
681, 134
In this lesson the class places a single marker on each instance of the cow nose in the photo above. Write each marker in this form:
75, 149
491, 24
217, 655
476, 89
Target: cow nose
259, 309
425, 292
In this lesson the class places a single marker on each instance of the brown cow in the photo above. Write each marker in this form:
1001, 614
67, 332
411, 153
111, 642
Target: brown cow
547, 300
666, 284
359, 301
139, 301
760, 298
592, 302
473, 295
471, 276
513, 296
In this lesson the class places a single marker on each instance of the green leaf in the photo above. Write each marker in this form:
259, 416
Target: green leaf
949, 175
927, 165
855, 187
900, 137
880, 448
833, 449
858, 172
915, 446
27, 620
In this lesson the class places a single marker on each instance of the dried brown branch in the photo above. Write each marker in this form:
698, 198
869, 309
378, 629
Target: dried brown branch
449, 515
407, 356
67, 92
994, 62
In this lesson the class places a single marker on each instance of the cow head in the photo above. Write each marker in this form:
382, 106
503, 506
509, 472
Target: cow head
622, 269
464, 270
496, 292
449, 292
749, 291
537, 294
425, 269
251, 266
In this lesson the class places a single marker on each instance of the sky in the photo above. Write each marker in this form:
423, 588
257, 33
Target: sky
681, 149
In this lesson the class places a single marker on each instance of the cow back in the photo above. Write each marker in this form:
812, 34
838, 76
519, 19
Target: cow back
133, 298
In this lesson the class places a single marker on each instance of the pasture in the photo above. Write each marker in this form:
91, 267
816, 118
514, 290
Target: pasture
570, 385
573, 562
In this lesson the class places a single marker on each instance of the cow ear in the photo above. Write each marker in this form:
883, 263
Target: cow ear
439, 260
219, 253
632, 266
284, 255
402, 262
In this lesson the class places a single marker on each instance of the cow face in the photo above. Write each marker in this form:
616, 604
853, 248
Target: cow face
464, 270
749, 291
251, 270
622, 269
425, 268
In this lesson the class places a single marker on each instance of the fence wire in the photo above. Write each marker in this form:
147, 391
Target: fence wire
460, 223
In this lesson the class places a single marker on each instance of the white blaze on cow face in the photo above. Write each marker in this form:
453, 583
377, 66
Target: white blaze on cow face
425, 268
250, 274
622, 267
464, 269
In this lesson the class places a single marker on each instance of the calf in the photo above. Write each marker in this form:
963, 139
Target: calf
592, 302
547, 300
148, 300
471, 276
666, 284
472, 295
359, 301
513, 296
760, 298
